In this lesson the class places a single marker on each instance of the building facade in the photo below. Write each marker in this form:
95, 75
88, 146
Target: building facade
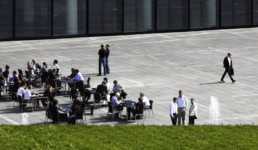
30, 19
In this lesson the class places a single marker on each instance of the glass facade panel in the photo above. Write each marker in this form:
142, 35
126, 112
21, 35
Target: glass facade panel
69, 17
138, 15
235, 12
203, 14
105, 16
33, 18
172, 14
6, 19
255, 12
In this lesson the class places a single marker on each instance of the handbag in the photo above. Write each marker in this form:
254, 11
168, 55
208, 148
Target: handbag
231, 71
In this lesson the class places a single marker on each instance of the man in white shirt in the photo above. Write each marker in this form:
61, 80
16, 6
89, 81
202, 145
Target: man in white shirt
182, 105
173, 111
192, 112
145, 100
20, 93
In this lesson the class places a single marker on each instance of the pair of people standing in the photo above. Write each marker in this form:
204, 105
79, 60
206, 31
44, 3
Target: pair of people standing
103, 59
178, 110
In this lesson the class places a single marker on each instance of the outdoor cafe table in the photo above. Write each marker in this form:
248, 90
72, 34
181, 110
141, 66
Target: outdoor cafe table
129, 104
67, 81
36, 98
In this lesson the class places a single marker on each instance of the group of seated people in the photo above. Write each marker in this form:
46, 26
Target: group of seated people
24, 94
32, 74
57, 114
118, 102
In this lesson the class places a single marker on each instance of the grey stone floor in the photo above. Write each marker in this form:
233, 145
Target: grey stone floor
158, 65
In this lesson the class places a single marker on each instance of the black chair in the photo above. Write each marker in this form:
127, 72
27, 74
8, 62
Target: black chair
98, 99
150, 109
79, 115
58, 86
113, 110
90, 113
88, 83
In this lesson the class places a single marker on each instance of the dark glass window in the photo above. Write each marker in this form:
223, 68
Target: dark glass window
69, 17
105, 16
33, 18
172, 14
6, 19
235, 12
255, 13
204, 14
138, 15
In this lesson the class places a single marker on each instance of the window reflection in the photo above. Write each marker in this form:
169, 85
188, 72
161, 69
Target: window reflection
33, 18
138, 15
105, 16
69, 17
172, 14
5, 19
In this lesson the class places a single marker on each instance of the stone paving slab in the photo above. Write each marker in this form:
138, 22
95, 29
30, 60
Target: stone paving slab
158, 65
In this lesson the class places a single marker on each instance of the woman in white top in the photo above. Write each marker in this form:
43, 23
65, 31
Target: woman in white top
192, 112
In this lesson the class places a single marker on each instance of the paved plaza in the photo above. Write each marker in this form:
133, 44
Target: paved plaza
158, 65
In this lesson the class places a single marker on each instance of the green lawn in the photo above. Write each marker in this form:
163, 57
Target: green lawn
128, 137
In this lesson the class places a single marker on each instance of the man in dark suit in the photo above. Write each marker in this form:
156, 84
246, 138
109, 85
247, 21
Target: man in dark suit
102, 90
228, 65
102, 60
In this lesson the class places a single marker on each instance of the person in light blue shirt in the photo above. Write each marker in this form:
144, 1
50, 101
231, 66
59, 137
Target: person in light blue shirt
78, 76
182, 105
115, 101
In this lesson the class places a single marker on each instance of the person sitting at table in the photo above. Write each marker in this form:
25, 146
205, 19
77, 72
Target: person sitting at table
1, 85
27, 95
21, 79
44, 73
72, 75
51, 78
138, 108
102, 90
14, 88
48, 92
116, 102
78, 76
54, 111
20, 95
76, 106
145, 100
118, 88
6, 72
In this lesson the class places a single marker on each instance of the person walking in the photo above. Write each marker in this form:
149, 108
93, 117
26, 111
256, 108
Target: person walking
182, 105
102, 59
107, 56
228, 65
173, 110
192, 112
